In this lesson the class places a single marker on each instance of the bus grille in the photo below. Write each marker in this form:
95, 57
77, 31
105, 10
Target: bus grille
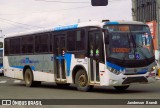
135, 80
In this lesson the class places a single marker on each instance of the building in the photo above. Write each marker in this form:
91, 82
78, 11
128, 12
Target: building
148, 11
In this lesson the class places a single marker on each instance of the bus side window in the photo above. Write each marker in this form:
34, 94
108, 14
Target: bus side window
27, 44
51, 43
76, 40
7, 47
99, 46
96, 45
42, 43
80, 40
15, 44
71, 40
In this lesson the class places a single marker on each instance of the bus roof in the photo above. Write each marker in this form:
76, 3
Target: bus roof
124, 22
74, 26
58, 28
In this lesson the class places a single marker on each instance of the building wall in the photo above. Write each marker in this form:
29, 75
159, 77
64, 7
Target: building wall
144, 10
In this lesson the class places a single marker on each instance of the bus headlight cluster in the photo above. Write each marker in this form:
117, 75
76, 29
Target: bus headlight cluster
153, 68
113, 70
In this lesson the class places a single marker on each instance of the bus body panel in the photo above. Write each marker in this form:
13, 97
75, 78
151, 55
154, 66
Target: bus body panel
117, 80
46, 66
83, 62
43, 76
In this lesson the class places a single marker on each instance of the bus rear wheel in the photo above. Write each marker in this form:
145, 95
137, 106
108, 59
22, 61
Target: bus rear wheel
28, 77
121, 88
81, 81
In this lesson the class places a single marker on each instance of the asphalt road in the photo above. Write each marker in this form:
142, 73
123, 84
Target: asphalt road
16, 89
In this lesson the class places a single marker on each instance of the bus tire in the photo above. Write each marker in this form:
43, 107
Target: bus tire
121, 88
28, 77
81, 81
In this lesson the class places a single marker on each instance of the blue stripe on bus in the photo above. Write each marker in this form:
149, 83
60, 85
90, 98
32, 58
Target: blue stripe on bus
1, 65
21, 67
111, 23
143, 72
68, 61
119, 68
66, 27
60, 57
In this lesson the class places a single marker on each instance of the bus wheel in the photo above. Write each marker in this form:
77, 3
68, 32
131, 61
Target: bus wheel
81, 81
28, 77
121, 88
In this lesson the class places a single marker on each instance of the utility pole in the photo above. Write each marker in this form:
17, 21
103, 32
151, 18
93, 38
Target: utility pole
158, 27
158, 23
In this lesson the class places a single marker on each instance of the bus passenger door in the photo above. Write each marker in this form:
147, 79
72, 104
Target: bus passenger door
96, 55
59, 61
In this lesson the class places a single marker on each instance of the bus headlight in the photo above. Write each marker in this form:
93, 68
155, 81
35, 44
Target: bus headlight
153, 68
113, 70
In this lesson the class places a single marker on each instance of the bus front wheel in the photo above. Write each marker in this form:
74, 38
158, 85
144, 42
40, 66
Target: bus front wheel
121, 88
28, 77
81, 81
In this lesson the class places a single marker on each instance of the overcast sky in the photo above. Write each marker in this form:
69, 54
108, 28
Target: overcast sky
23, 15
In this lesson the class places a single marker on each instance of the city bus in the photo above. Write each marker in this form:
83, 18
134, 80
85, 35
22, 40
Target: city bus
1, 56
87, 54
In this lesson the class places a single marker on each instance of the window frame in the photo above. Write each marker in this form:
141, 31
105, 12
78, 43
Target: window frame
48, 43
83, 29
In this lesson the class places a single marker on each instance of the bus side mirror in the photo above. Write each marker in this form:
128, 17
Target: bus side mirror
99, 2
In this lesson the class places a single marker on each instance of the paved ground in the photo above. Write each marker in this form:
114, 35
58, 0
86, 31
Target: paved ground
16, 89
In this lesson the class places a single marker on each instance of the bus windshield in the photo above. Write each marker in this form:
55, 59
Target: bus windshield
129, 43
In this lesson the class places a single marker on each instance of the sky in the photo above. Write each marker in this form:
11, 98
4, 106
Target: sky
25, 15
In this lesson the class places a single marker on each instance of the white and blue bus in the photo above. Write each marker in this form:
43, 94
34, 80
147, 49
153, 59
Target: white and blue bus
89, 54
1, 55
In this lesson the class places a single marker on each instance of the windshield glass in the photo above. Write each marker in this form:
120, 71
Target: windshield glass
129, 43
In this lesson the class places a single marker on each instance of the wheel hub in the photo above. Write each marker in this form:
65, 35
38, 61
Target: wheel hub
28, 78
82, 80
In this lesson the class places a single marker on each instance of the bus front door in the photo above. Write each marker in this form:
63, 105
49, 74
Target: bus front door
96, 55
59, 62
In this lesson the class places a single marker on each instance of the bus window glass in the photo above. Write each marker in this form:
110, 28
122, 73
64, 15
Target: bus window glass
126, 45
124, 28
76, 40
15, 45
1, 53
1, 44
42, 43
112, 28
80, 40
27, 44
71, 35
7, 46
119, 43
